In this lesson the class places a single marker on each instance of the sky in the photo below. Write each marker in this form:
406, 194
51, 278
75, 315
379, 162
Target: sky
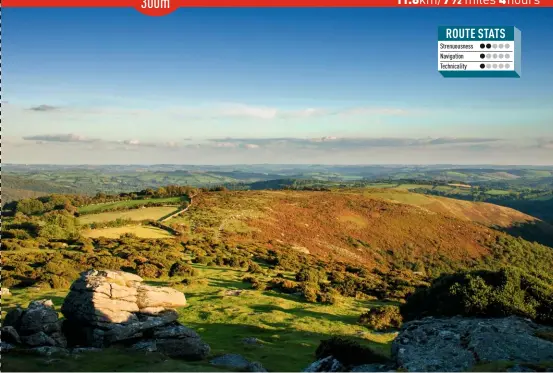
227, 86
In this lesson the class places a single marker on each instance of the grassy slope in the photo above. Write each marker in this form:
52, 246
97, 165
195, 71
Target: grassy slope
15, 188
289, 329
325, 223
480, 212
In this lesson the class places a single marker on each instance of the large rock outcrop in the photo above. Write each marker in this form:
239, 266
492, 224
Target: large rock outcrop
105, 308
101, 298
457, 344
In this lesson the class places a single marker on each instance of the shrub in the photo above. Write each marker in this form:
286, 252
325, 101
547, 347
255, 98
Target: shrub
187, 281
506, 292
254, 268
308, 274
258, 285
182, 269
382, 318
59, 225
249, 279
348, 352
310, 292
202, 259
285, 286
16, 233
148, 270
329, 296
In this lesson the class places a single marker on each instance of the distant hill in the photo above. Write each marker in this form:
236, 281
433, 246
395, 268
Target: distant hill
15, 188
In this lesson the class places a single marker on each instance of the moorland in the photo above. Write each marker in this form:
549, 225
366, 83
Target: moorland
289, 256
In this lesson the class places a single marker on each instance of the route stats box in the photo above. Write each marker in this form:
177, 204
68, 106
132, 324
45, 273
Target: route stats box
479, 52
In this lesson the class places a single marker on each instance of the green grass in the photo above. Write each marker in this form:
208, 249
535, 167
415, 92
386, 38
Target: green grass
498, 192
153, 213
289, 328
139, 230
443, 188
413, 186
91, 209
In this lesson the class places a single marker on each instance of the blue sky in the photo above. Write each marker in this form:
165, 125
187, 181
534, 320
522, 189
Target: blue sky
267, 86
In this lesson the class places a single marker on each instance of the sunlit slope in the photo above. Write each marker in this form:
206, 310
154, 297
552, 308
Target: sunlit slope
374, 228
480, 212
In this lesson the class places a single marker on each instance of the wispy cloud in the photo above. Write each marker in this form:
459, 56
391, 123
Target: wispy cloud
349, 143
74, 138
545, 143
44, 107
230, 110
70, 137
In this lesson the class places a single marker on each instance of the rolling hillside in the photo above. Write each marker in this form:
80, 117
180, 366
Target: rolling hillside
16, 187
375, 228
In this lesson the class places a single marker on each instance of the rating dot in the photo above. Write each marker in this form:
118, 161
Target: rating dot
507, 46
500, 65
482, 55
500, 46
500, 55
494, 66
494, 46
482, 45
488, 55
495, 55
507, 66
488, 66
507, 55
482, 65
488, 46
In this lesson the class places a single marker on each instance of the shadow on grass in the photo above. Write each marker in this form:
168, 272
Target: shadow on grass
109, 360
301, 312
220, 269
229, 284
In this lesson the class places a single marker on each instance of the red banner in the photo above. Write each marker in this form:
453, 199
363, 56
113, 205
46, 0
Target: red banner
164, 7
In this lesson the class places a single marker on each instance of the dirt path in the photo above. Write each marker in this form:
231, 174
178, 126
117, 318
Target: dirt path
178, 212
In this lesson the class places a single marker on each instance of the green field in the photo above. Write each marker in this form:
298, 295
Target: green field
153, 213
497, 192
288, 329
413, 186
138, 230
100, 207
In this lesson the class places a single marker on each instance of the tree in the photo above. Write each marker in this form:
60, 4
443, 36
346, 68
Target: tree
30, 206
59, 225
161, 192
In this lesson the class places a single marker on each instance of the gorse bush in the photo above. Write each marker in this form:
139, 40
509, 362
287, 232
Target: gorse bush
283, 285
256, 283
382, 318
16, 233
308, 274
148, 270
254, 267
348, 352
502, 293
182, 269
